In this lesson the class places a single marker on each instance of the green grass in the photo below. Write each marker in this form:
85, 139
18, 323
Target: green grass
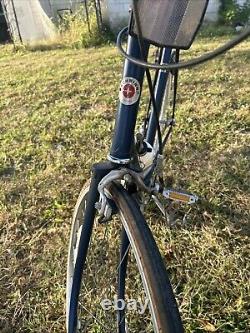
57, 112
216, 30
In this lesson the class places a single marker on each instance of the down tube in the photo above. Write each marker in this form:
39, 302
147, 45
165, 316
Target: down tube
129, 95
159, 96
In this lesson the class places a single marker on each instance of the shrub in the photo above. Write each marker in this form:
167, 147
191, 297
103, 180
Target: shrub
75, 31
231, 12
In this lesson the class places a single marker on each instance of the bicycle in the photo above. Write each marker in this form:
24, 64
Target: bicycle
104, 286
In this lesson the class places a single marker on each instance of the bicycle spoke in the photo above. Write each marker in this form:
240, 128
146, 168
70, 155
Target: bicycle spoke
94, 317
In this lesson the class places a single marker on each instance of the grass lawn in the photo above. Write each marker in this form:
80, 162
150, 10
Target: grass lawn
57, 112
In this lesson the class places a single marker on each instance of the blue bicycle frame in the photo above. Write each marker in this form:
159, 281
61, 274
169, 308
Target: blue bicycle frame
121, 153
123, 139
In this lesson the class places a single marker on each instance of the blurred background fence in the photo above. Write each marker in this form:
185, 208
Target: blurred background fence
34, 20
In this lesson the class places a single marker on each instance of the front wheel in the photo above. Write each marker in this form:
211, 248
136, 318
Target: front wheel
124, 284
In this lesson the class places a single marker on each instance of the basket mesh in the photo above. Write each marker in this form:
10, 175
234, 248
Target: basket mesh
170, 23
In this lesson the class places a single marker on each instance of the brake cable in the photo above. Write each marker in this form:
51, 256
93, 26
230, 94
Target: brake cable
176, 76
184, 64
158, 58
149, 78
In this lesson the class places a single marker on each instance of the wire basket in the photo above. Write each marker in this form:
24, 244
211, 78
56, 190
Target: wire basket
170, 23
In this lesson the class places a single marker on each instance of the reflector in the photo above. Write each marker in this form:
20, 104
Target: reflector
170, 23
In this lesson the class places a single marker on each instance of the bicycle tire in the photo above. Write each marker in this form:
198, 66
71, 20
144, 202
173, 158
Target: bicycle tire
73, 234
163, 306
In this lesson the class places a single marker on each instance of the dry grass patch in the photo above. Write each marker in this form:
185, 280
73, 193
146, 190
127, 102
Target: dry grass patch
57, 110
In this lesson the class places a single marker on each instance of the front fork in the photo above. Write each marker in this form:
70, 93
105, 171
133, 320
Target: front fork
99, 171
